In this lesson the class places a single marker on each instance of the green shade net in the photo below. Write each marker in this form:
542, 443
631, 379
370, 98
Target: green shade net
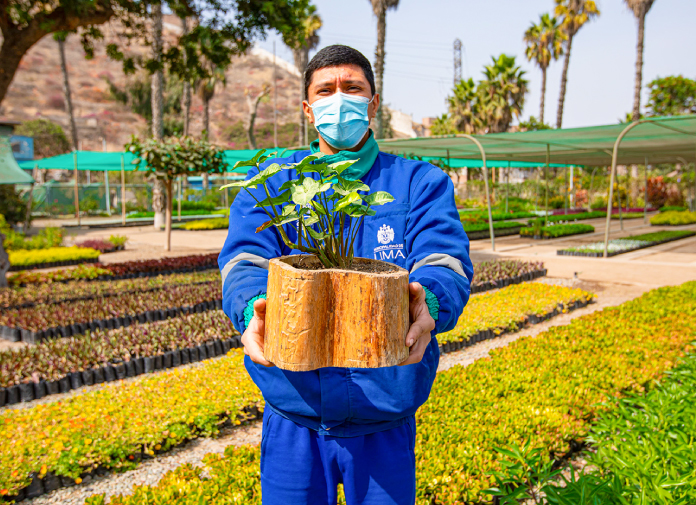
10, 173
661, 140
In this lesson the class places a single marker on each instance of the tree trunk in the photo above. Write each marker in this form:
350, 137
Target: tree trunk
168, 220
635, 116
301, 56
343, 318
206, 116
68, 93
186, 98
543, 94
564, 82
379, 67
4, 262
158, 197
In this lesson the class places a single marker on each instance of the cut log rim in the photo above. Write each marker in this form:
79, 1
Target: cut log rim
288, 263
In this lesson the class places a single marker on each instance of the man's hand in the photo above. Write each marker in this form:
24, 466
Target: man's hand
252, 340
418, 336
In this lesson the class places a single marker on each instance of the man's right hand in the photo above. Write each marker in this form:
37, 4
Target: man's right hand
252, 340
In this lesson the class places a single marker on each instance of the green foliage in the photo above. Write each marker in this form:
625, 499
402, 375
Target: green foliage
49, 137
137, 95
24, 258
673, 218
11, 204
471, 227
328, 223
173, 157
533, 124
556, 230
544, 42
217, 223
569, 218
677, 208
118, 240
671, 96
47, 237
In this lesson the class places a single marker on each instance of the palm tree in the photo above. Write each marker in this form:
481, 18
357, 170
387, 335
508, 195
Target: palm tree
300, 46
544, 44
186, 95
574, 14
60, 38
158, 196
501, 94
640, 9
380, 7
463, 107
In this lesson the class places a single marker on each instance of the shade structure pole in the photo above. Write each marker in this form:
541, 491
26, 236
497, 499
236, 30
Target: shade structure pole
693, 200
546, 177
27, 215
485, 178
614, 158
507, 186
565, 191
108, 192
123, 191
589, 191
645, 203
77, 191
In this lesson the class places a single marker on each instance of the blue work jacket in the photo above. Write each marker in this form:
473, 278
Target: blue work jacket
419, 231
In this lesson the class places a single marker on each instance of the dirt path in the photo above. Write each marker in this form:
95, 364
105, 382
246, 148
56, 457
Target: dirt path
150, 472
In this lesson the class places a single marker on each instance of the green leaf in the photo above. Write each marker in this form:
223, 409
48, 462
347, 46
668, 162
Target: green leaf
358, 211
347, 200
318, 235
252, 162
341, 166
345, 186
274, 200
304, 193
378, 198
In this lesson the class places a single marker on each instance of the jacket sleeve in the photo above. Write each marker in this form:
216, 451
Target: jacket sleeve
438, 248
243, 260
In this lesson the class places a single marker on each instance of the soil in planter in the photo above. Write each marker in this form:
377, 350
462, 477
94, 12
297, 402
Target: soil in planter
307, 262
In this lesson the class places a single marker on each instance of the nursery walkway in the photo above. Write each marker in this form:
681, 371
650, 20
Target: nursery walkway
151, 471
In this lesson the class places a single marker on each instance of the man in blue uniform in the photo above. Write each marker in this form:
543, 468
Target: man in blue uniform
353, 426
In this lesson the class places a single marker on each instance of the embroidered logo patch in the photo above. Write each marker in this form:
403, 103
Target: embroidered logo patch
385, 234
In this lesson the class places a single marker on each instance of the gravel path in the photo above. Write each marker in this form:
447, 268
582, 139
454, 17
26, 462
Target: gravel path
151, 471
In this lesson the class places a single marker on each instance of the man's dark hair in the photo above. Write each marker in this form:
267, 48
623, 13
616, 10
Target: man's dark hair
334, 56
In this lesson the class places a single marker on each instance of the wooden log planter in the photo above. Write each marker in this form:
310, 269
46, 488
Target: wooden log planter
318, 317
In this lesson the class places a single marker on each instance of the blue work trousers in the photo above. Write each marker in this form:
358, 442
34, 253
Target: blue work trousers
301, 467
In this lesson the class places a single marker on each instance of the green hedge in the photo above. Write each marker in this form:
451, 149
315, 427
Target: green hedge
471, 227
23, 258
557, 230
546, 390
673, 218
563, 218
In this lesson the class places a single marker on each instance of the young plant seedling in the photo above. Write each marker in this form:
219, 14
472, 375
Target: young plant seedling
329, 210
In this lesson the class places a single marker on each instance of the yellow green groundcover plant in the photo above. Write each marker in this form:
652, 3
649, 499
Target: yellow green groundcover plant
508, 308
183, 406
547, 390
26, 257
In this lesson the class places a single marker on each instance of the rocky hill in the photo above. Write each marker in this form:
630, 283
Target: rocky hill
37, 92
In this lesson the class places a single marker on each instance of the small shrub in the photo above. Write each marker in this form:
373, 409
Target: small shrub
673, 218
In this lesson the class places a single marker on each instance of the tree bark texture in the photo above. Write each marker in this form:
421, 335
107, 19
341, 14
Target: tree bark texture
206, 116
543, 94
68, 93
635, 116
186, 97
564, 82
253, 105
379, 67
342, 318
168, 220
301, 57
158, 197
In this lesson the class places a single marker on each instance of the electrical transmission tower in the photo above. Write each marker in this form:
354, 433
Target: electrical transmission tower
457, 61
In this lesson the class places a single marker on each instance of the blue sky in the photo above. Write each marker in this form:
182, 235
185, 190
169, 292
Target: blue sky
420, 34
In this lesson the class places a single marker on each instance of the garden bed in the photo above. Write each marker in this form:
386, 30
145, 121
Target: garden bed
31, 259
544, 391
496, 274
621, 246
673, 218
478, 231
124, 270
65, 319
556, 231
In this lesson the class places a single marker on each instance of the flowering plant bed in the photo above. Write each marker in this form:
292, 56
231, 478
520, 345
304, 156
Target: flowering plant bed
545, 390
33, 294
63, 443
556, 230
624, 245
477, 231
59, 365
65, 319
482, 216
26, 259
627, 215
570, 218
102, 245
124, 270
507, 310
216, 223
496, 274
673, 218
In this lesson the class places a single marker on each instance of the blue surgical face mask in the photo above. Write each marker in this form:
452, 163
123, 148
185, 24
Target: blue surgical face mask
341, 119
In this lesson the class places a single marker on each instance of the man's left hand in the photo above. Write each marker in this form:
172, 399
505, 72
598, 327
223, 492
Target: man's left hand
418, 336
